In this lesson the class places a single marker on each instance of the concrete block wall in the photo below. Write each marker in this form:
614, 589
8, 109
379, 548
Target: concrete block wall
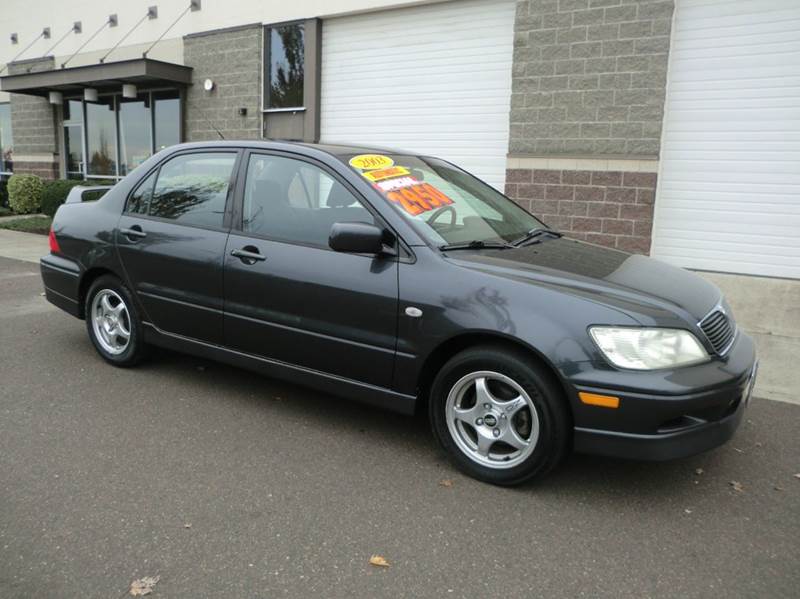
34, 126
588, 85
231, 58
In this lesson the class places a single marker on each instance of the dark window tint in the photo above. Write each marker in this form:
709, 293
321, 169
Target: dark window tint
139, 201
192, 189
296, 201
285, 65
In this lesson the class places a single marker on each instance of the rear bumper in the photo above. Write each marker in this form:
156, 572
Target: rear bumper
61, 278
657, 426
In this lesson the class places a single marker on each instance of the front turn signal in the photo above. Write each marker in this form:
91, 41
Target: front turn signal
603, 401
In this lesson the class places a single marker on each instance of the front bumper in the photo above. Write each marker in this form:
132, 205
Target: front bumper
655, 423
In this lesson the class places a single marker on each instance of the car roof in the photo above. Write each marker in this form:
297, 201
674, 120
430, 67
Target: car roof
337, 150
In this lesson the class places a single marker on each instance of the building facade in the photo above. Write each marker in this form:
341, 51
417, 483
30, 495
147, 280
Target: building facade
669, 127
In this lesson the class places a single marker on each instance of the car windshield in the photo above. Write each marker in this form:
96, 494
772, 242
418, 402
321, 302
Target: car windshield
446, 204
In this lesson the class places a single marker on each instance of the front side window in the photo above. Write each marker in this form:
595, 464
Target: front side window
139, 200
295, 201
285, 62
192, 189
446, 204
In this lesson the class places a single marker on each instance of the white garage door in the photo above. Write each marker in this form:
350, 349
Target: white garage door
432, 79
729, 189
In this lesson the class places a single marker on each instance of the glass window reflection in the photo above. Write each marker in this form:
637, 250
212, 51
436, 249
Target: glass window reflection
286, 66
101, 137
135, 145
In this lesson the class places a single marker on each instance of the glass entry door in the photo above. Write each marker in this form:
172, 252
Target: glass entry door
73, 150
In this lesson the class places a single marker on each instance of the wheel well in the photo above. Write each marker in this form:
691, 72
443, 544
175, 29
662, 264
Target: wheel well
89, 277
439, 356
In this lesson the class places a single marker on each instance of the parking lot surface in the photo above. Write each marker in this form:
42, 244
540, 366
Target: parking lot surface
227, 484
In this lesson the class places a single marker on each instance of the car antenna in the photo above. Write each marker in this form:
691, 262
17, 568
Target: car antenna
207, 120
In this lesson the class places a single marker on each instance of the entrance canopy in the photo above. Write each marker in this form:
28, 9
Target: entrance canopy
142, 72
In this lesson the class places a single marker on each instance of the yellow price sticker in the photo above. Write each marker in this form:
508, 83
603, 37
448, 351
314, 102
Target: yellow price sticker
371, 161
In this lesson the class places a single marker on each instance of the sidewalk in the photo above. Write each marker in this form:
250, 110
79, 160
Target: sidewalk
23, 246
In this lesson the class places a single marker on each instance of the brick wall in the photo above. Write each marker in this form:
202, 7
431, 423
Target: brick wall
34, 126
610, 208
589, 76
231, 58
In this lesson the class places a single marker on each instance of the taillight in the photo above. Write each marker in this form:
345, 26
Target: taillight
54, 249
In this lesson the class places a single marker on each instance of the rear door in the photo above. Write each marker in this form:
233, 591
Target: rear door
290, 297
171, 241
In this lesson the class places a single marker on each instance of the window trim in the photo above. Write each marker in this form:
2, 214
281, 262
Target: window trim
267, 65
238, 213
230, 197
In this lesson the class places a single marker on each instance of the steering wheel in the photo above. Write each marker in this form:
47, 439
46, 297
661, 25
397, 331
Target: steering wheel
439, 211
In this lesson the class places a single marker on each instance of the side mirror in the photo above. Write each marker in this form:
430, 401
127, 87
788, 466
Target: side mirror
357, 238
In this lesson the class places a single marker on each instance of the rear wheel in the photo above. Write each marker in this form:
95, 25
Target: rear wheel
113, 323
500, 415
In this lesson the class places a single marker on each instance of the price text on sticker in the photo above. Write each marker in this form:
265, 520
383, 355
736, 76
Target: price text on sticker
371, 161
420, 198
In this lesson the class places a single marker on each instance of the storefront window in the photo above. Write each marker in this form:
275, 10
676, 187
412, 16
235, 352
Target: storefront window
111, 137
167, 122
285, 61
101, 137
6, 140
135, 145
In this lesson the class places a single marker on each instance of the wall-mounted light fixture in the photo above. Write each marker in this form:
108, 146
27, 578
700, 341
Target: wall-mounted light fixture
208, 85
46, 33
90, 94
195, 5
113, 21
152, 12
14, 38
128, 90
77, 27
56, 98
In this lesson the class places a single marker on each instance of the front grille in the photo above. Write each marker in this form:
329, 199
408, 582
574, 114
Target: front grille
719, 329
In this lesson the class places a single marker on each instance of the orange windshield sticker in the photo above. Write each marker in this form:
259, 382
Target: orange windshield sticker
385, 173
419, 198
371, 161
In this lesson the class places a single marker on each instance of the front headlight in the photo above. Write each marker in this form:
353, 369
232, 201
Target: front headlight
648, 349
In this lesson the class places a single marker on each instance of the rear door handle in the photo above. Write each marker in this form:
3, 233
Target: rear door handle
248, 255
134, 232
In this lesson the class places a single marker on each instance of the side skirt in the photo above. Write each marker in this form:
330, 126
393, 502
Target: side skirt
347, 388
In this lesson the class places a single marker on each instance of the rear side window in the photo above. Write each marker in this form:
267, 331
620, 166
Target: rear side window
139, 202
191, 189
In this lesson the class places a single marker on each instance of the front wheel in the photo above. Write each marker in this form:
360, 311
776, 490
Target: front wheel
113, 323
500, 415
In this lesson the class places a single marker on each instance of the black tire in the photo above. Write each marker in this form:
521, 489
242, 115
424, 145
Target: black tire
545, 393
135, 349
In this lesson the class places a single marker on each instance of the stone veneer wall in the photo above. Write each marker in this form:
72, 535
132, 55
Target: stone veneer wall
231, 58
34, 126
611, 208
588, 83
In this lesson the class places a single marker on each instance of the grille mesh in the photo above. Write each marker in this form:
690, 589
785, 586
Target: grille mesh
719, 329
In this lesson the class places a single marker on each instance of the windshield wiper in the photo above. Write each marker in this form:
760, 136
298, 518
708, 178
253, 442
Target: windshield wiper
477, 244
533, 236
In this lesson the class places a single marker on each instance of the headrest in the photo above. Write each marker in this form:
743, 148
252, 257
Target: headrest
339, 197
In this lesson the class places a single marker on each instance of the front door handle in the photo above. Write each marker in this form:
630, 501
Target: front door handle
248, 254
135, 232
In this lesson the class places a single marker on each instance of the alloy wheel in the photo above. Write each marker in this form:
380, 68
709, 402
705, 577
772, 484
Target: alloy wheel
111, 321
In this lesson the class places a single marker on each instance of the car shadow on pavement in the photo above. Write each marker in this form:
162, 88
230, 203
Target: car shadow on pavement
579, 476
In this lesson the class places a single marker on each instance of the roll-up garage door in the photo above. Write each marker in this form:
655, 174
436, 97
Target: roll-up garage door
433, 79
729, 188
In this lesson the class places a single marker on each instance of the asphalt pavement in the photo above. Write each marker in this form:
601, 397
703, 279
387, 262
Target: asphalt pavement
227, 484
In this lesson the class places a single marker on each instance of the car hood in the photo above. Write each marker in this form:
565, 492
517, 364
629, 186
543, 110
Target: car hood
628, 281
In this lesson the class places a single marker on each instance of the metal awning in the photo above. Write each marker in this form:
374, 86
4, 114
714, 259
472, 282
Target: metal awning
142, 72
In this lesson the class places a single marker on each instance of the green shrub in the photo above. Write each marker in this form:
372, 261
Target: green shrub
3, 193
55, 193
25, 193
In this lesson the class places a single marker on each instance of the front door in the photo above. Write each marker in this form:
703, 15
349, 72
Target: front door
171, 240
288, 296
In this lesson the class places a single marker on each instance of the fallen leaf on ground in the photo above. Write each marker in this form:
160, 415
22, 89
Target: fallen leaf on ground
688, 511
797, 475
699, 471
736, 449
737, 486
187, 525
446, 483
144, 586
778, 488
377, 560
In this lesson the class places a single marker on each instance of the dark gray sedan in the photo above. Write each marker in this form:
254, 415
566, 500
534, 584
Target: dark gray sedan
404, 282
